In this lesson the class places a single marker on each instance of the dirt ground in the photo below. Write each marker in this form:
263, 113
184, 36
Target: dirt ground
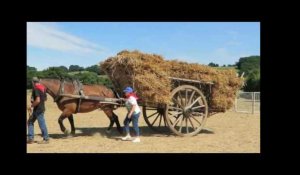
228, 132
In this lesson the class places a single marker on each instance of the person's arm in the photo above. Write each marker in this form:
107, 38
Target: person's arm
36, 101
133, 102
131, 111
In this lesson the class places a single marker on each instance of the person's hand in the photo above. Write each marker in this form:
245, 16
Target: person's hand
29, 108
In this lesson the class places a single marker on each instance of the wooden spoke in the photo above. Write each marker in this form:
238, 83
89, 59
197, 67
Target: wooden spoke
177, 121
173, 107
181, 99
152, 115
177, 102
191, 123
177, 113
194, 102
177, 116
197, 113
191, 97
181, 124
197, 107
195, 120
160, 120
186, 96
155, 119
186, 125
153, 122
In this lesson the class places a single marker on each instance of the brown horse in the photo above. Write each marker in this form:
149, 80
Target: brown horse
68, 105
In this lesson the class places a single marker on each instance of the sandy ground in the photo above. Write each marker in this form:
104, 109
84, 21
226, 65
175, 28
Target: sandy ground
232, 133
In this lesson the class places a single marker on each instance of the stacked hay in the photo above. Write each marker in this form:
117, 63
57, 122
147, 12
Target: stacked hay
226, 83
148, 74
142, 72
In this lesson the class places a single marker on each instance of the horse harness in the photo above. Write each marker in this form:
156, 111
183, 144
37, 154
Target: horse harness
78, 91
60, 91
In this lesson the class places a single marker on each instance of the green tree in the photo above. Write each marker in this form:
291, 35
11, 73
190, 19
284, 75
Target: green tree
93, 78
64, 68
213, 64
88, 78
251, 66
31, 72
54, 72
74, 68
31, 68
253, 82
231, 65
94, 68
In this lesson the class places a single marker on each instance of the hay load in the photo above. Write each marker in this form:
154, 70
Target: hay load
142, 72
148, 74
226, 83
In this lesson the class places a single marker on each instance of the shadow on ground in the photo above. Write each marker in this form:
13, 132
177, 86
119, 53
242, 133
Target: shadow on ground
145, 131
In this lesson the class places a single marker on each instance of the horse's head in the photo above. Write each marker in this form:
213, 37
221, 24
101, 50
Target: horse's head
52, 86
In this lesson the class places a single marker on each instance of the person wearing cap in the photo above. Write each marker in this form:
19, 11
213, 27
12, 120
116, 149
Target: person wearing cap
132, 115
37, 109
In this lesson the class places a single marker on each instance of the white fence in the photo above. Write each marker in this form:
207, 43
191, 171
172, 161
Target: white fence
247, 102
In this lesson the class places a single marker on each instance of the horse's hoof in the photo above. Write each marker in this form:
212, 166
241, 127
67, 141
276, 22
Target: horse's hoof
108, 131
69, 136
67, 132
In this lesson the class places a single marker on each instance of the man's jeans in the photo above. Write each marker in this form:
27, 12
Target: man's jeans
42, 124
134, 118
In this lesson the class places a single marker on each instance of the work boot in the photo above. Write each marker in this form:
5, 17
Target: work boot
43, 142
30, 141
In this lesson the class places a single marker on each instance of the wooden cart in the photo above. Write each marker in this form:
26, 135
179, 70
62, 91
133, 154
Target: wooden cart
185, 115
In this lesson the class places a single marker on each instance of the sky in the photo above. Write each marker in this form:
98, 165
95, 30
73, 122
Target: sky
88, 43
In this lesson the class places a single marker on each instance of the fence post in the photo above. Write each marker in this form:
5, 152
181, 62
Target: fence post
253, 102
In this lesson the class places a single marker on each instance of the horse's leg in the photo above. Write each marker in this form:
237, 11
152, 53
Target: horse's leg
62, 127
71, 120
116, 119
109, 114
113, 119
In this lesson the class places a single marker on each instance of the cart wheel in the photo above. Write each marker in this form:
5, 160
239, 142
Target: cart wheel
187, 113
155, 119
